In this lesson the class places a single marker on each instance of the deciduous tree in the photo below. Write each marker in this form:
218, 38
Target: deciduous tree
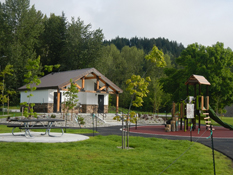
4, 95
34, 71
214, 63
71, 99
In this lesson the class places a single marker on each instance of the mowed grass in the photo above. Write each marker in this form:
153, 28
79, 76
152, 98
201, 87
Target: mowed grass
228, 120
100, 155
11, 114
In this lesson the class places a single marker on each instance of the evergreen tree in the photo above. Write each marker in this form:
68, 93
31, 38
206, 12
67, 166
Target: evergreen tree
22, 27
83, 46
52, 42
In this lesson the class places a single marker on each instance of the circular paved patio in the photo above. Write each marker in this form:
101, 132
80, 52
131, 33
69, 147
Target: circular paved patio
37, 137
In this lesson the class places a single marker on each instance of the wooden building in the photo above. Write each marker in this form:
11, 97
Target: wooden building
94, 89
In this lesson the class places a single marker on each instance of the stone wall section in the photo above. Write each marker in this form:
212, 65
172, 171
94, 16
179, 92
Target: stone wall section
89, 108
72, 122
69, 120
146, 119
48, 108
105, 108
41, 107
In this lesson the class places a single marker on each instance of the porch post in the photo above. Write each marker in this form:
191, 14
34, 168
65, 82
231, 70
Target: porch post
83, 83
58, 100
97, 84
117, 102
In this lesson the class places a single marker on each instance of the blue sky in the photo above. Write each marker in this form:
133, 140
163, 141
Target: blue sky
184, 21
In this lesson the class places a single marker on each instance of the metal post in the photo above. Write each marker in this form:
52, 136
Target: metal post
122, 131
181, 112
2, 97
199, 119
93, 124
128, 131
166, 115
125, 137
66, 121
212, 143
8, 106
96, 122
181, 122
195, 108
191, 132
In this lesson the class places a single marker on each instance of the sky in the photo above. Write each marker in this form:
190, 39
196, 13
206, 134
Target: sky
185, 21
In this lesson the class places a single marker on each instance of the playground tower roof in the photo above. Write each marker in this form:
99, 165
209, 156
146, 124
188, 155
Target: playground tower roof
197, 79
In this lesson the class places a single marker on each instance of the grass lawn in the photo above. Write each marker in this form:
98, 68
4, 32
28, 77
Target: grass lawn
228, 120
12, 114
100, 155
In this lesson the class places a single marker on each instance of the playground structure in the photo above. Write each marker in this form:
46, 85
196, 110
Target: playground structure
193, 108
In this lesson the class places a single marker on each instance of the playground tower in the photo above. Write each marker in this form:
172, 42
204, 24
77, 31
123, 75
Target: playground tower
201, 102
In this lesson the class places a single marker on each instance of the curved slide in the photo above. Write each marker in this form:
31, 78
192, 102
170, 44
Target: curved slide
214, 116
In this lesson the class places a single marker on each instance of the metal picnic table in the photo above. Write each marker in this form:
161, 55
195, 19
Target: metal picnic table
45, 123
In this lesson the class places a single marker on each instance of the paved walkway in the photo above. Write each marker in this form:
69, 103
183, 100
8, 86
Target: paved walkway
221, 144
37, 137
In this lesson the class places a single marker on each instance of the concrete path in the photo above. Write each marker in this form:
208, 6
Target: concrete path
37, 137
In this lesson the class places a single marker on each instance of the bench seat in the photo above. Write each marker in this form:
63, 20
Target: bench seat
13, 120
21, 125
14, 125
45, 127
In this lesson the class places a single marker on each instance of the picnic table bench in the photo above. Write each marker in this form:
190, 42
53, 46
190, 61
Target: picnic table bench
28, 124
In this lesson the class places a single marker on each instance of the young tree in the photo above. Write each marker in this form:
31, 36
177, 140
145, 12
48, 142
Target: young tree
138, 86
7, 71
34, 71
71, 99
158, 97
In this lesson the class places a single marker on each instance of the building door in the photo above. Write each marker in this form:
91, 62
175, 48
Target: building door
55, 102
101, 103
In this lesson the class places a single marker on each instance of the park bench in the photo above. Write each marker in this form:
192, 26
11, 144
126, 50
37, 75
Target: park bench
28, 124
15, 126
48, 128
22, 125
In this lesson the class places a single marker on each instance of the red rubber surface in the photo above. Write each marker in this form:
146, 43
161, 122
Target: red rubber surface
219, 132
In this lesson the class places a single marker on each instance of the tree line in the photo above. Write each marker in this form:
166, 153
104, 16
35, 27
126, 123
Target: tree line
26, 33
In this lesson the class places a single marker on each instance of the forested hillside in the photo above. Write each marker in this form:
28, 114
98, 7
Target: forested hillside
146, 44
169, 47
26, 33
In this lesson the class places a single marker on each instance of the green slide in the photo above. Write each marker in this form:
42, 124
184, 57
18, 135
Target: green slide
218, 120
